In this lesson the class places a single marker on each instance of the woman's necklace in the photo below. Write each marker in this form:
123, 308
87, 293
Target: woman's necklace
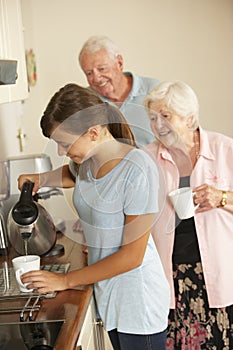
196, 144
195, 150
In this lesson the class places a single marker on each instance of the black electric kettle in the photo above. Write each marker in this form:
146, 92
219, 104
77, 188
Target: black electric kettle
31, 229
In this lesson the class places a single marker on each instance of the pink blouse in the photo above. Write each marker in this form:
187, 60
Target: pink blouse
214, 227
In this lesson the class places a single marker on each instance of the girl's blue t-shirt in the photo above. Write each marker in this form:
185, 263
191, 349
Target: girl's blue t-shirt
136, 301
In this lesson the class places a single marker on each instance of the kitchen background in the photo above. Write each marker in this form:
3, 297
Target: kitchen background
169, 40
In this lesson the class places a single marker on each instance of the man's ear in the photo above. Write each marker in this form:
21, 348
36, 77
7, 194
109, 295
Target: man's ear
120, 62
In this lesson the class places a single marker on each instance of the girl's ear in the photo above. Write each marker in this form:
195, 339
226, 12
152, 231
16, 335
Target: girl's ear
94, 133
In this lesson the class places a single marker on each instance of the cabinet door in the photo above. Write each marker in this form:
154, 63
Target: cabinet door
12, 48
87, 337
4, 90
107, 343
93, 336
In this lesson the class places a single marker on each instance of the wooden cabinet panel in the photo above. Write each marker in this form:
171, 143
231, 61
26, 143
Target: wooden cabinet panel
87, 338
107, 343
93, 336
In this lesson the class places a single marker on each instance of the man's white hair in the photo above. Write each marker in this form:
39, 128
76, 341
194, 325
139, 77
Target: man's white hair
98, 42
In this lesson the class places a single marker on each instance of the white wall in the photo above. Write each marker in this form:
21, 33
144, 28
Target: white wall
190, 40
11, 127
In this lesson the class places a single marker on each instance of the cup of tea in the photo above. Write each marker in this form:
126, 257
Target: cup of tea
182, 201
23, 264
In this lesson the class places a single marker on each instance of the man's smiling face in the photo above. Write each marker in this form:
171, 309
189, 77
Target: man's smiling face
103, 72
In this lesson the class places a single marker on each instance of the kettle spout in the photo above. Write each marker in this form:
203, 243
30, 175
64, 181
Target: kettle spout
26, 235
26, 232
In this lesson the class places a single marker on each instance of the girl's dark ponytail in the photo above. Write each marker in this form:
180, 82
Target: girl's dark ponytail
118, 125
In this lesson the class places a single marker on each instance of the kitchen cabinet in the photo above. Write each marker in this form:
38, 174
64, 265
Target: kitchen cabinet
88, 336
12, 48
93, 336
107, 343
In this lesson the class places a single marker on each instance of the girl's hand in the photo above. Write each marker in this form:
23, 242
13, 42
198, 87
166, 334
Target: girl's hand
35, 178
208, 197
44, 281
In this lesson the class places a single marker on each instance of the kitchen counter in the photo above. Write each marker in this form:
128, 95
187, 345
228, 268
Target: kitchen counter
69, 305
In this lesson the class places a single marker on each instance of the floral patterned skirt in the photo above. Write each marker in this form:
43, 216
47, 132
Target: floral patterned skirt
193, 325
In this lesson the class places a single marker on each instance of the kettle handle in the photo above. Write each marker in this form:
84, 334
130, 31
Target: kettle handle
25, 211
26, 192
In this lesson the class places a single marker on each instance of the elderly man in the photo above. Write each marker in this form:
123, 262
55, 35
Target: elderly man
102, 64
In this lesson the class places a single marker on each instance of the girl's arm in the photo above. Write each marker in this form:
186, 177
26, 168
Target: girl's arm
60, 177
128, 257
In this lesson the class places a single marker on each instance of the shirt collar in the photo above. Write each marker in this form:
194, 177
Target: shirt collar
205, 149
138, 88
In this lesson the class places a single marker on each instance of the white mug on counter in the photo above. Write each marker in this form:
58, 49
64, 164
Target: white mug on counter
23, 264
182, 200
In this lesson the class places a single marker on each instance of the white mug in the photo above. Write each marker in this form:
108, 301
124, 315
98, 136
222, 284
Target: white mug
182, 200
24, 264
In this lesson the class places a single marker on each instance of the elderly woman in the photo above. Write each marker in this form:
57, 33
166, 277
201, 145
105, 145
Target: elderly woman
197, 253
